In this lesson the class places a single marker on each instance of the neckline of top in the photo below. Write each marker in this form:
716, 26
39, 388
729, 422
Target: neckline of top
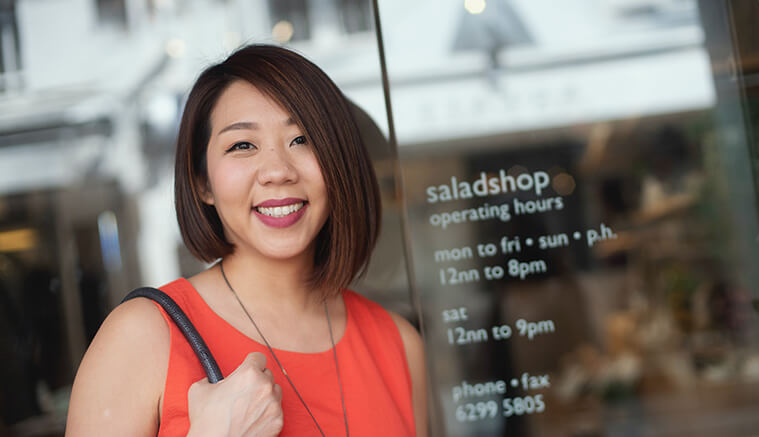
207, 308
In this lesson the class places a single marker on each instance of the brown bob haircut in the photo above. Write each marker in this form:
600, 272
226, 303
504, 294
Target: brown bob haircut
320, 109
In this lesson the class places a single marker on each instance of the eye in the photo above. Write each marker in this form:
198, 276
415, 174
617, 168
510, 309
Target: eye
300, 140
242, 145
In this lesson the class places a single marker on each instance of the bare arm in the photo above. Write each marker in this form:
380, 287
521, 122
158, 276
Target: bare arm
119, 385
412, 342
117, 390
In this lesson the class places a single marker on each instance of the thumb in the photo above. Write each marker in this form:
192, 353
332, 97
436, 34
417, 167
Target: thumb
253, 361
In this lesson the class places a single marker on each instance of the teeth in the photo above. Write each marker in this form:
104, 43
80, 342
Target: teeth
280, 211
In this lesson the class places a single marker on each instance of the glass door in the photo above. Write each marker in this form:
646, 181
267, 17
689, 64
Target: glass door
582, 221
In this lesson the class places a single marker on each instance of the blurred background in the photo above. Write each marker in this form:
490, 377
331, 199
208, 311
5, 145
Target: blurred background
643, 112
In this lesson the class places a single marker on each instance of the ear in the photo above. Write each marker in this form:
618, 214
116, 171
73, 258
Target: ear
205, 193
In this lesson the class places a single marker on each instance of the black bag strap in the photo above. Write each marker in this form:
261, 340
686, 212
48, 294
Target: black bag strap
185, 325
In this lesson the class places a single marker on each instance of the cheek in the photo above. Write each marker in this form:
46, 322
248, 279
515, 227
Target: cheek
319, 187
228, 180
316, 177
320, 190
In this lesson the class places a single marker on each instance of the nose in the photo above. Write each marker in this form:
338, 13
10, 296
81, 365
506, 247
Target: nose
275, 167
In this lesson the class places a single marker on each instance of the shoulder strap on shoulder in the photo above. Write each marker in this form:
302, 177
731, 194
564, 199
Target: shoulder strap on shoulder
185, 326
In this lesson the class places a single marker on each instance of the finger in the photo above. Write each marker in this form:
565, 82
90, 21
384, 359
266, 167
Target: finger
253, 361
269, 426
278, 392
268, 373
268, 419
257, 359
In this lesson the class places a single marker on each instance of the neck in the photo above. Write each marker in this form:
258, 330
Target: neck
279, 285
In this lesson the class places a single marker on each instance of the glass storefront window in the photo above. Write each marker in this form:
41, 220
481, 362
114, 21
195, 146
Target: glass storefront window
581, 215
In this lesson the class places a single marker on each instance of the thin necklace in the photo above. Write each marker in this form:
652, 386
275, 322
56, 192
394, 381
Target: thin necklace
284, 372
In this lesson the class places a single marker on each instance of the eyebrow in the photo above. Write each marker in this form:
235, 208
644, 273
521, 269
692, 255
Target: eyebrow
240, 125
251, 125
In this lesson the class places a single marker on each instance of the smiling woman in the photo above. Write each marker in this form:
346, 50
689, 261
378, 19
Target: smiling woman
272, 180
301, 90
263, 178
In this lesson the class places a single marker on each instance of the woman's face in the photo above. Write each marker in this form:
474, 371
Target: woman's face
263, 176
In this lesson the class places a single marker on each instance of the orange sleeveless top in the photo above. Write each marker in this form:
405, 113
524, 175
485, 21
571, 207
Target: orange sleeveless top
373, 369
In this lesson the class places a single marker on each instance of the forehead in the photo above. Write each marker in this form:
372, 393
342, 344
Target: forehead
241, 101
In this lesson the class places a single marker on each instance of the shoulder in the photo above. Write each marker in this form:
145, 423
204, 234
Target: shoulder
409, 334
140, 317
407, 331
414, 348
412, 345
134, 326
122, 372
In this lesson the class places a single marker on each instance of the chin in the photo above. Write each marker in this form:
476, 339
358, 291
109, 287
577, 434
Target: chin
283, 253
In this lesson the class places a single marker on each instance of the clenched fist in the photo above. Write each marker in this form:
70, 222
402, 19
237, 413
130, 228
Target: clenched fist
247, 403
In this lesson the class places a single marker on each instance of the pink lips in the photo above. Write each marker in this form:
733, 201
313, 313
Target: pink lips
280, 222
279, 202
